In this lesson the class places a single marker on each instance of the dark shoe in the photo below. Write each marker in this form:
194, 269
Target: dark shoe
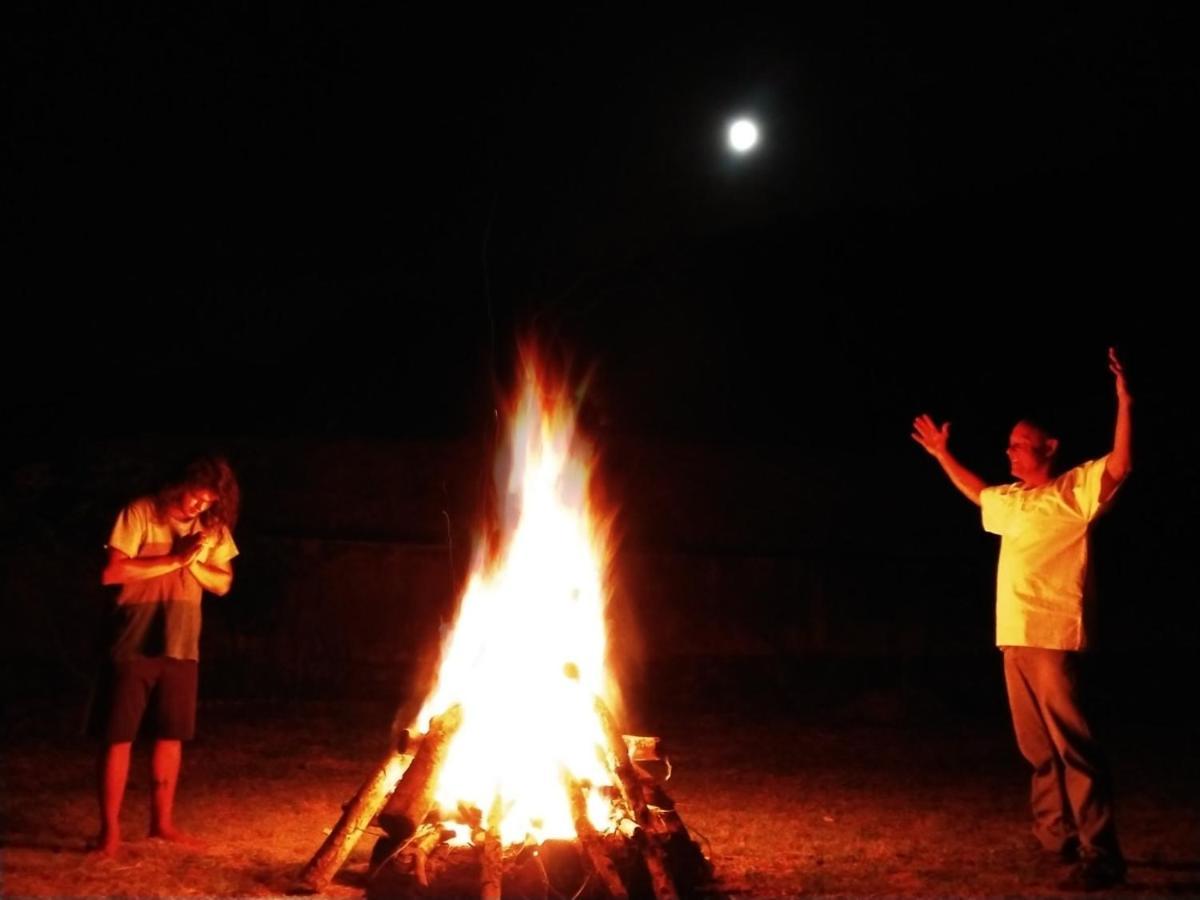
1097, 874
1069, 851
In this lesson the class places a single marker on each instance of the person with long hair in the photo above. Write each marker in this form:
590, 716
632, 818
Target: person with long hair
164, 552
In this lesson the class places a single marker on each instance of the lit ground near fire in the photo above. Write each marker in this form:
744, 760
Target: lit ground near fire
872, 798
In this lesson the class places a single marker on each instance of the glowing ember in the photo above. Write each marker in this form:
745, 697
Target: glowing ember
526, 658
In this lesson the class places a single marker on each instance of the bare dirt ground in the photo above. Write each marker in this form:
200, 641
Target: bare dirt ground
857, 802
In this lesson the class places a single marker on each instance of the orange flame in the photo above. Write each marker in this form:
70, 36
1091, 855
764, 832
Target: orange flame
526, 657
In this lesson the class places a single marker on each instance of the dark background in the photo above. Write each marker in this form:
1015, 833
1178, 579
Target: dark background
312, 240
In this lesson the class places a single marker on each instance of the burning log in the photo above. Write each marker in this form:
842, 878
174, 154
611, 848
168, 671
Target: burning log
413, 797
491, 858
593, 847
631, 790
355, 818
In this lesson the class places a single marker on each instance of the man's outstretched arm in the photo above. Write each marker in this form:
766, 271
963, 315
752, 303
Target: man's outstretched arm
1120, 459
934, 439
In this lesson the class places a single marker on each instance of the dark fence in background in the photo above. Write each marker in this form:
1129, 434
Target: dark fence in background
353, 553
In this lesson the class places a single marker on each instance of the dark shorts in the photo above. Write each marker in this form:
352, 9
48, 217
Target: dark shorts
164, 685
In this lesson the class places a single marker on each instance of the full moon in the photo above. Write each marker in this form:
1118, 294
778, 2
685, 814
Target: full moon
743, 135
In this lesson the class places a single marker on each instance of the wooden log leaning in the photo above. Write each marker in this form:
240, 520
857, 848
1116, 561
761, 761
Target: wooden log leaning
491, 866
631, 791
589, 839
413, 797
355, 817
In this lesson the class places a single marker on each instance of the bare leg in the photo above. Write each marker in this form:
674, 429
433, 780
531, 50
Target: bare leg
164, 771
113, 773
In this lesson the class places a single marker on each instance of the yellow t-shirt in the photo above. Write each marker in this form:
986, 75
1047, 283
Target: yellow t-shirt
1043, 580
160, 616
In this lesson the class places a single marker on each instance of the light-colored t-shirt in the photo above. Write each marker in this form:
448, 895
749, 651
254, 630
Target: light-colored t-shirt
1043, 580
160, 616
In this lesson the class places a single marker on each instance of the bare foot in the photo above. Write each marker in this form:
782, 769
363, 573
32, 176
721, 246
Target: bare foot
104, 845
175, 836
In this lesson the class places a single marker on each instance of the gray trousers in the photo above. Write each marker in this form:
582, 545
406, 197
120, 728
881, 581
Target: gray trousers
1072, 790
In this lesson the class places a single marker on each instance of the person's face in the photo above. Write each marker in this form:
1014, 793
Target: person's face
1029, 452
194, 501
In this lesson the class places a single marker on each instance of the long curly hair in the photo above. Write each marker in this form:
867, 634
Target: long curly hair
212, 473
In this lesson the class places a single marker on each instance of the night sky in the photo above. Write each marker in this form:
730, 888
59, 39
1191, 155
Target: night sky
279, 222
340, 224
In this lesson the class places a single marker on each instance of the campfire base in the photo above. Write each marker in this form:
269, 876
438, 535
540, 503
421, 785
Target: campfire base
553, 869
651, 854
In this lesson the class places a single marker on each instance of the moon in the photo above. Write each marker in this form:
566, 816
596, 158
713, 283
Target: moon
743, 135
